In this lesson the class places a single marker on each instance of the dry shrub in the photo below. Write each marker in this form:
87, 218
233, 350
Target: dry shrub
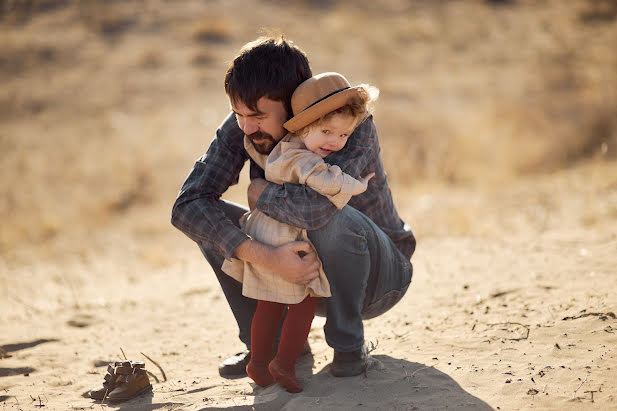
202, 58
19, 11
150, 59
212, 30
17, 58
111, 25
21, 107
522, 137
599, 11
137, 191
495, 109
572, 116
107, 18
456, 102
497, 140
313, 4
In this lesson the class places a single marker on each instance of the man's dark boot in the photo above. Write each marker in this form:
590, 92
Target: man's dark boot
348, 364
235, 366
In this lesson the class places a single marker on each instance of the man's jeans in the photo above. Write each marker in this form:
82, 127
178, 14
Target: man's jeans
368, 275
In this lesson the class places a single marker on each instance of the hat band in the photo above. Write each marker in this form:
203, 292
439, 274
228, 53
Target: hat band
325, 97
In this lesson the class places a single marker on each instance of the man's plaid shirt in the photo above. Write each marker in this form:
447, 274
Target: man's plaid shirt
196, 211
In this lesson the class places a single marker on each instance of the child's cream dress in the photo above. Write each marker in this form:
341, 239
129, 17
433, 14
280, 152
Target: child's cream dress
289, 162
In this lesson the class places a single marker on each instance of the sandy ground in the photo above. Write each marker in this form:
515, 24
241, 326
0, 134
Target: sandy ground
498, 133
518, 320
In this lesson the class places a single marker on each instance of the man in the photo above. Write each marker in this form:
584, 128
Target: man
364, 248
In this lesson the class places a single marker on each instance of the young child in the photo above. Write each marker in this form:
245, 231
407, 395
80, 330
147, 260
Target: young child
326, 111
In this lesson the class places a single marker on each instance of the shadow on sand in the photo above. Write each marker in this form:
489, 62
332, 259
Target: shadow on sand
8, 372
22, 346
140, 403
400, 385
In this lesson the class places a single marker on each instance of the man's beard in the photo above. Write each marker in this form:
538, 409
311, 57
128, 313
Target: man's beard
262, 148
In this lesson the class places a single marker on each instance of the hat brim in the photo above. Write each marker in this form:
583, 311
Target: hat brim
315, 112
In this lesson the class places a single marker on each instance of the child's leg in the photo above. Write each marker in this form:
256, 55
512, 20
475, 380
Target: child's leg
295, 331
263, 333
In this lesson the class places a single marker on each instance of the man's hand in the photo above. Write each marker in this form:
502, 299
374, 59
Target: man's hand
296, 262
284, 260
255, 189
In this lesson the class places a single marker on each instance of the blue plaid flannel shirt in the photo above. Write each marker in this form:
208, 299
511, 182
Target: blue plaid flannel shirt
196, 211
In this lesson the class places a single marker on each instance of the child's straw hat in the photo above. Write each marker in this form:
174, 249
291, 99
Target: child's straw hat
318, 96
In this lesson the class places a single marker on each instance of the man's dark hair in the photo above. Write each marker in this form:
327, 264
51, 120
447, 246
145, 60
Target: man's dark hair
270, 67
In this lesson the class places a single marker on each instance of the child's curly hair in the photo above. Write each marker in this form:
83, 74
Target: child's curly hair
359, 107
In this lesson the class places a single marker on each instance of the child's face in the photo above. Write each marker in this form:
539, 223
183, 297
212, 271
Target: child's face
330, 136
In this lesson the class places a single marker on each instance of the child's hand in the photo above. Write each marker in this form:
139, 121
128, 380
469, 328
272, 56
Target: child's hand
361, 188
365, 180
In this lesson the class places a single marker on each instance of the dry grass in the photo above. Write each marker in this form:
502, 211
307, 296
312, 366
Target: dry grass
150, 59
102, 123
20, 11
107, 18
203, 58
211, 29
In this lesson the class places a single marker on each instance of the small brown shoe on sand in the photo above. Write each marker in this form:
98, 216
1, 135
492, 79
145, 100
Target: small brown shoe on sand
130, 385
130, 376
109, 381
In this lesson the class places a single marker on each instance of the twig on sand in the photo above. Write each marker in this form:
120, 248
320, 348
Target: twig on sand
20, 301
579, 387
158, 366
591, 391
502, 293
152, 375
123, 354
525, 326
104, 397
193, 391
372, 347
420, 369
73, 292
548, 308
414, 373
603, 316
496, 295
41, 404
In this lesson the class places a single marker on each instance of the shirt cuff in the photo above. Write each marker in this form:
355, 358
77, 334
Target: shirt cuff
231, 241
266, 200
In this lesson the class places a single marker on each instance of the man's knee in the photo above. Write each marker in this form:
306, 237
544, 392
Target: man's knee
346, 228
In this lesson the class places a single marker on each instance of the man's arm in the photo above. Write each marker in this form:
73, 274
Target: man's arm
196, 211
301, 206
